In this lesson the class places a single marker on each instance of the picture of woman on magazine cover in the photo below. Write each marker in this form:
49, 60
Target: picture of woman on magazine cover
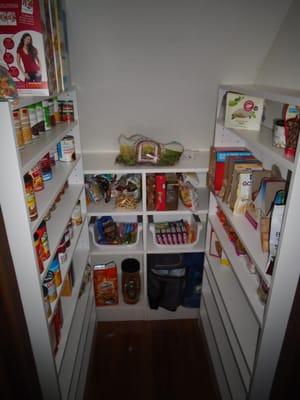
28, 54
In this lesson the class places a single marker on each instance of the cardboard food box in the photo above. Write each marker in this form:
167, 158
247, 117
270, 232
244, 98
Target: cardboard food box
218, 156
243, 112
26, 46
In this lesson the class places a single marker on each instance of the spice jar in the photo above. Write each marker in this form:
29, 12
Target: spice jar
30, 197
131, 281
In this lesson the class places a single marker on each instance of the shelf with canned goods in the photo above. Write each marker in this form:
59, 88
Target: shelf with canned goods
62, 266
222, 250
45, 193
52, 230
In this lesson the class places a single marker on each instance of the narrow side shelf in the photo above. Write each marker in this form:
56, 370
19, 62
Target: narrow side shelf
250, 239
247, 281
261, 141
34, 151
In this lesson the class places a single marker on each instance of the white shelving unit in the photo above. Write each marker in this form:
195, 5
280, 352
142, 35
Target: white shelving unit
102, 163
63, 373
245, 335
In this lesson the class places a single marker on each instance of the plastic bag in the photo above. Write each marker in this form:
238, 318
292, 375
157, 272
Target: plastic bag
138, 149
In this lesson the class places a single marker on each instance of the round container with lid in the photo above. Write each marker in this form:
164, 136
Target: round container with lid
131, 281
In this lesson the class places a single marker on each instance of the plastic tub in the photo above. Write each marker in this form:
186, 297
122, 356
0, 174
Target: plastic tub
118, 220
177, 238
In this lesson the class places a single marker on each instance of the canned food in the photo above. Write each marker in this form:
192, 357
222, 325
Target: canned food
33, 121
30, 197
55, 268
43, 235
25, 125
46, 301
45, 165
37, 179
50, 285
68, 111
66, 149
47, 116
40, 117
38, 250
19, 134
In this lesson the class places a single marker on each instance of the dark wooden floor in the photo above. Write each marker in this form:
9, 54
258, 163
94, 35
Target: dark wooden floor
150, 360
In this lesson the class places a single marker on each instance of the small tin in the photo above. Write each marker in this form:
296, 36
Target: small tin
66, 149
50, 284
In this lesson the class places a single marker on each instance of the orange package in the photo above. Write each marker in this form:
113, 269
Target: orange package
106, 284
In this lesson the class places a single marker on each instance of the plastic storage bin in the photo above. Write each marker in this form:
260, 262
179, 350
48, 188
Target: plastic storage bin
118, 220
166, 233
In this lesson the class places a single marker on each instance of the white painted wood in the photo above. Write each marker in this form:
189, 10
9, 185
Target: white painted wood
249, 237
104, 163
81, 348
14, 163
101, 163
247, 280
213, 352
231, 370
273, 316
88, 348
68, 362
243, 322
228, 326
34, 151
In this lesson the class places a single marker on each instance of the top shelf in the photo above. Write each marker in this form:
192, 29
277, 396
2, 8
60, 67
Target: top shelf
191, 161
281, 95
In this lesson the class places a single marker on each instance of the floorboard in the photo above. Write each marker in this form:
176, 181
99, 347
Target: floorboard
150, 360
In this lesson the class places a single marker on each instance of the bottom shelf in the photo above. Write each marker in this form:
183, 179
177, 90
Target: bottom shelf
180, 313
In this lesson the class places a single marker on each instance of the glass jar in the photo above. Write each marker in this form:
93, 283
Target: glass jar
131, 281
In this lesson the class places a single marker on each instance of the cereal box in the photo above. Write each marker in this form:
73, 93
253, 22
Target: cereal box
106, 284
26, 47
243, 112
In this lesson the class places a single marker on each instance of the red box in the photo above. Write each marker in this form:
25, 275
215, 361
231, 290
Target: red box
160, 183
218, 156
26, 46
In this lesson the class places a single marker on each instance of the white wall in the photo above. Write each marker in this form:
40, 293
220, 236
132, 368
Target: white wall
281, 67
153, 67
